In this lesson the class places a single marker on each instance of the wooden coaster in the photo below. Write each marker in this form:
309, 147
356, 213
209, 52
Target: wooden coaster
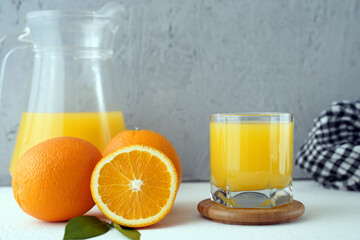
250, 216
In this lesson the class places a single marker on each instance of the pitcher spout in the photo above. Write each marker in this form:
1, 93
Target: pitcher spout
25, 36
112, 10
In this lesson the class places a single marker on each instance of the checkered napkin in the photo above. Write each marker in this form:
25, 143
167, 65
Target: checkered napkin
331, 154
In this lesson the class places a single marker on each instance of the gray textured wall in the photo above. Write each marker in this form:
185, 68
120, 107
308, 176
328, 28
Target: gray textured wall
180, 61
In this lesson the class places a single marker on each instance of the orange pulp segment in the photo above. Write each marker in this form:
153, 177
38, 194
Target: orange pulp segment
135, 186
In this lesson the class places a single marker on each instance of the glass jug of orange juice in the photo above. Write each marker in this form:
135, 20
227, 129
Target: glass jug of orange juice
71, 90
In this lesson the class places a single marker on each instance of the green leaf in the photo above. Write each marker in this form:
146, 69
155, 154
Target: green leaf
85, 227
129, 232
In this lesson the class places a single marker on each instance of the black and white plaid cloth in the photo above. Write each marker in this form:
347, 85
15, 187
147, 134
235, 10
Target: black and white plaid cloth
331, 153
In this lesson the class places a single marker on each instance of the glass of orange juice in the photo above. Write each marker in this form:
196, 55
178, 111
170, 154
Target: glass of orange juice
251, 159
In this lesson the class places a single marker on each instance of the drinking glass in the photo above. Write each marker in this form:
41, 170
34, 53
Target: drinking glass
251, 159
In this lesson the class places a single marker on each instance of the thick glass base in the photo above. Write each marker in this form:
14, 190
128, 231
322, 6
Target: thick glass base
266, 198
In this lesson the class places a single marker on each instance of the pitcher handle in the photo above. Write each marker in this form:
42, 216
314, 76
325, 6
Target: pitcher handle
10, 43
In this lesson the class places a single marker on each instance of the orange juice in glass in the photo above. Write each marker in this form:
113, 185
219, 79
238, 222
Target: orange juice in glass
251, 159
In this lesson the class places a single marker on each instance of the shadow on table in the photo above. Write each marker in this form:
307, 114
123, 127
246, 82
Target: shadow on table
97, 213
181, 214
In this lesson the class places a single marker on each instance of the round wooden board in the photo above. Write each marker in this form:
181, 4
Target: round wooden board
250, 216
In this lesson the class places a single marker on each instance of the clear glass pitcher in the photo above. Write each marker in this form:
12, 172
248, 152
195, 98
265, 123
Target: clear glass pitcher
72, 90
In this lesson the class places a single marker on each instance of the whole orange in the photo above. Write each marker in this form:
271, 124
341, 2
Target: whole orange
51, 181
148, 138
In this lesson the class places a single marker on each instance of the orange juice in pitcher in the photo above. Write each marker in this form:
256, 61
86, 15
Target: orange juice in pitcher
96, 127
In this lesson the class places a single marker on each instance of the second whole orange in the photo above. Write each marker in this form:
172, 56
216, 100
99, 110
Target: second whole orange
147, 138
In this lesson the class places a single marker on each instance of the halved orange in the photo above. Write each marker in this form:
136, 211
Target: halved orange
134, 186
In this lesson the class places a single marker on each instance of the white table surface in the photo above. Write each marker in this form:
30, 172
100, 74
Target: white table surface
329, 214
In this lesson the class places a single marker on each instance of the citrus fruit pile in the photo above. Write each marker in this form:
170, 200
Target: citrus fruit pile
134, 184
